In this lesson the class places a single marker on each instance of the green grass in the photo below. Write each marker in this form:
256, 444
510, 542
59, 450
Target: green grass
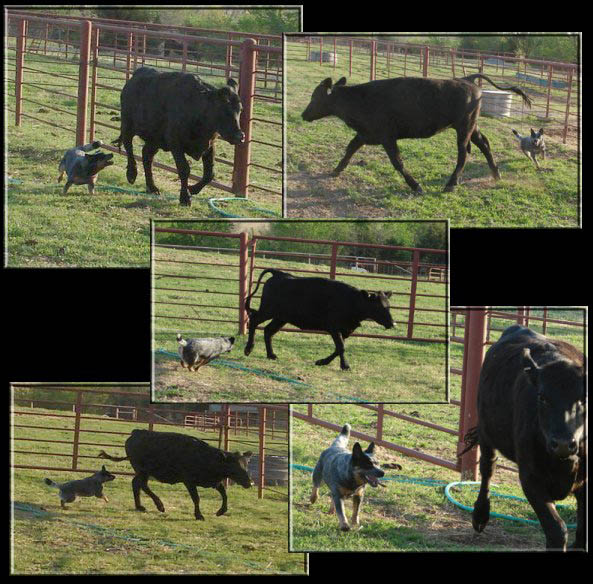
370, 186
46, 229
405, 516
116, 539
415, 370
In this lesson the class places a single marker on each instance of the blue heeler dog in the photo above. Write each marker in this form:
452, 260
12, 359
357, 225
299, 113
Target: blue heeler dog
90, 487
532, 145
346, 474
197, 352
82, 168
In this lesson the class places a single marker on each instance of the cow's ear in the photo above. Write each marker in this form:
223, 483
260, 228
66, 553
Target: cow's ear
232, 83
248, 454
365, 293
388, 294
327, 84
340, 82
530, 367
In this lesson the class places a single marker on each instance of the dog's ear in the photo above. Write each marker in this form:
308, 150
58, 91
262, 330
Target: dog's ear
533, 134
371, 449
356, 450
541, 131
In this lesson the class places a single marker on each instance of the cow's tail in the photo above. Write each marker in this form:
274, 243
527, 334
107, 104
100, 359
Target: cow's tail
104, 454
118, 142
470, 439
512, 88
248, 299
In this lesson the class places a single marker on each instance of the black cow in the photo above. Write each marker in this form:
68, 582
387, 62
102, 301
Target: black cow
384, 111
177, 112
315, 304
531, 407
173, 458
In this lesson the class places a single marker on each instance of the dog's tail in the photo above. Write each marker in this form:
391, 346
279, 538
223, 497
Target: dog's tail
512, 88
50, 483
471, 439
345, 431
181, 340
516, 133
104, 454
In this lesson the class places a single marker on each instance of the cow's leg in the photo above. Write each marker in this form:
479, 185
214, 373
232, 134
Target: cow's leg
193, 493
183, 171
463, 137
355, 144
66, 187
482, 143
223, 508
481, 512
148, 152
339, 342
208, 176
136, 484
254, 321
579, 542
269, 331
142, 483
394, 155
554, 528
132, 171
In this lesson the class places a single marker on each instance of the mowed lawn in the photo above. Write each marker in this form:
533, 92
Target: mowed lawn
412, 513
191, 298
110, 228
371, 187
96, 537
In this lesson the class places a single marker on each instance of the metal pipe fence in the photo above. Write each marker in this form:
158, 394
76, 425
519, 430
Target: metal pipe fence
553, 85
262, 428
106, 50
417, 297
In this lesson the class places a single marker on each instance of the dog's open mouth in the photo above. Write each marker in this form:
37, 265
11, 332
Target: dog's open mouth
372, 480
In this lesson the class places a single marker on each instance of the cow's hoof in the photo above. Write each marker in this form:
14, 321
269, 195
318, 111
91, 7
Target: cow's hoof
418, 190
247, 351
449, 189
185, 201
321, 362
221, 512
273, 357
496, 175
142, 509
345, 528
160, 507
131, 175
200, 517
480, 516
346, 368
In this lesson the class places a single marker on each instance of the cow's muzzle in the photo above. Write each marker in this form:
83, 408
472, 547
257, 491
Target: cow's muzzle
237, 138
563, 448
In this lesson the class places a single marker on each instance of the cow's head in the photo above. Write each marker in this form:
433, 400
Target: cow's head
320, 105
560, 388
377, 307
236, 468
226, 111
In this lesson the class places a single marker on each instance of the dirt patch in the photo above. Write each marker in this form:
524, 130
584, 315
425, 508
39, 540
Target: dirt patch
316, 197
